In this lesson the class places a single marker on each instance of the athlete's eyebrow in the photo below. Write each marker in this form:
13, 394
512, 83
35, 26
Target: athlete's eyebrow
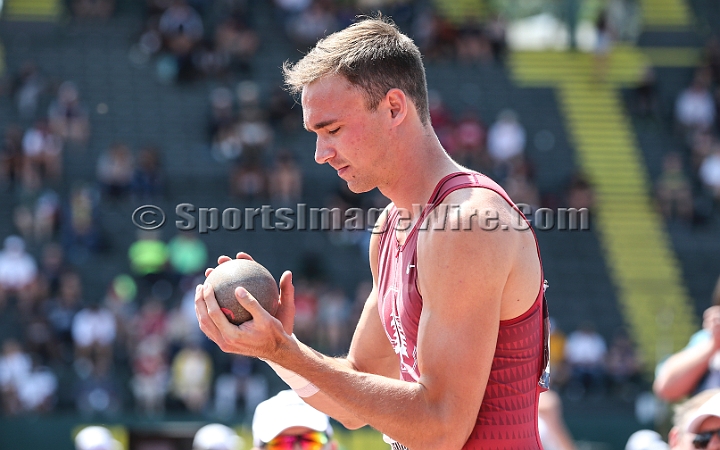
320, 125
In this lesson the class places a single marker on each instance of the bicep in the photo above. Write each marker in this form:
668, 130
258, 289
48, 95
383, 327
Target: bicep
462, 278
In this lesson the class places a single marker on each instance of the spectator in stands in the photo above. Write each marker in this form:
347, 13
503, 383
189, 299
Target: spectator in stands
11, 156
96, 438
506, 142
691, 416
52, 265
471, 44
646, 95
62, 310
18, 268
585, 351
149, 382
99, 393
94, 333
182, 30
81, 228
470, 139
68, 118
42, 151
673, 189
237, 42
695, 106
580, 192
554, 434
192, 374
115, 168
216, 436
520, 186
25, 385
248, 181
622, 366
222, 116
696, 367
285, 181
38, 388
285, 419
14, 366
28, 86
333, 316
148, 180
497, 30
710, 172
603, 43
313, 23
306, 310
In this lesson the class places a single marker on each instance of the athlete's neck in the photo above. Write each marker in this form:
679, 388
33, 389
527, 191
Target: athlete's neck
423, 166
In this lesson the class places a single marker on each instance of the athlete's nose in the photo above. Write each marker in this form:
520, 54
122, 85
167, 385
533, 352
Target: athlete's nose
323, 152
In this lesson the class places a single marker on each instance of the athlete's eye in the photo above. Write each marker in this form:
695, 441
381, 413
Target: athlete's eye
334, 131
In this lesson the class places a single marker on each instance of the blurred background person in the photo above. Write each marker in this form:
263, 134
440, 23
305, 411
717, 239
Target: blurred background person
285, 421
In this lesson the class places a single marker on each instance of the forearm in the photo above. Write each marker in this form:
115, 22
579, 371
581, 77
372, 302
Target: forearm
681, 373
376, 400
319, 400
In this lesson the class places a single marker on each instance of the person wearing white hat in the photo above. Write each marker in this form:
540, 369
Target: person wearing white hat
96, 438
682, 435
286, 422
216, 436
705, 424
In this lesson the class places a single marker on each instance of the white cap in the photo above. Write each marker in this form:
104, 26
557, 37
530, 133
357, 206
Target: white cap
285, 410
217, 436
646, 440
95, 438
708, 409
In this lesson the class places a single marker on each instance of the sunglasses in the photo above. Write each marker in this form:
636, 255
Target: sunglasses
702, 440
315, 440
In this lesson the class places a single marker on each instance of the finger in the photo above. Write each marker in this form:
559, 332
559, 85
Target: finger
206, 324
243, 255
208, 271
248, 302
223, 258
286, 310
221, 322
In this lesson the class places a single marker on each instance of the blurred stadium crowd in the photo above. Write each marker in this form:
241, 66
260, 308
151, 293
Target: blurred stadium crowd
138, 347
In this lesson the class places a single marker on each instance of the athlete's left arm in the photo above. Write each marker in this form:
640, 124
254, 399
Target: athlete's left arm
462, 276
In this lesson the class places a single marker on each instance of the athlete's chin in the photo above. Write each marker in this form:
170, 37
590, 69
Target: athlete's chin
358, 187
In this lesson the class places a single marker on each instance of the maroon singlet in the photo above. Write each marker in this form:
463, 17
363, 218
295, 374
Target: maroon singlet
508, 415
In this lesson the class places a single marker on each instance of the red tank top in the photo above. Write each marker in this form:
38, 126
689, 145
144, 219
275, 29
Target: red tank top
508, 414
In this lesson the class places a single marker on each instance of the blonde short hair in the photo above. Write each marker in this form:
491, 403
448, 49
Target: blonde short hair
371, 54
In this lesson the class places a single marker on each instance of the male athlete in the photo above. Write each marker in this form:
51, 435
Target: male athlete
449, 350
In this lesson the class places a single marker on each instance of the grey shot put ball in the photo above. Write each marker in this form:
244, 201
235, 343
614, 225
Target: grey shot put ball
255, 278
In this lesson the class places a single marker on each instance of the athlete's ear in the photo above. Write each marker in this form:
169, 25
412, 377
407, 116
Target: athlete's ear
397, 103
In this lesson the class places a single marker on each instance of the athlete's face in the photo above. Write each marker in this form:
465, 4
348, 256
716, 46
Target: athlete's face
349, 136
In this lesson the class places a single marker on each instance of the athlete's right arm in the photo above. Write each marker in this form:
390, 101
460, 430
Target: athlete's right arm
370, 349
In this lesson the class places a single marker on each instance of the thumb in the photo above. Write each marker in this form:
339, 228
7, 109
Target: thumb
286, 310
248, 302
